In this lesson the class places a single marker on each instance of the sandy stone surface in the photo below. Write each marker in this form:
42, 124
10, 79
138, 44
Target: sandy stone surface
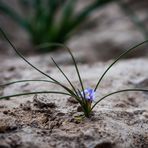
51, 121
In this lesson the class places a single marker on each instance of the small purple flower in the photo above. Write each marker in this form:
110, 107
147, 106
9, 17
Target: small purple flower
89, 94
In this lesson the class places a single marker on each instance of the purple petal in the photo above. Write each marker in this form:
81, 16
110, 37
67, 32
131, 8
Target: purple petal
89, 94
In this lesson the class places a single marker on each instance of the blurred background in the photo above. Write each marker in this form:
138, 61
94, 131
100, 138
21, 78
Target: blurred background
96, 30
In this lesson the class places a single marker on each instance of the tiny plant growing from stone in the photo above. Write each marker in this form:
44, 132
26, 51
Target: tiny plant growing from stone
84, 96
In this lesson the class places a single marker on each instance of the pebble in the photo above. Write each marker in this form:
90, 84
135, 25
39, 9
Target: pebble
145, 114
43, 101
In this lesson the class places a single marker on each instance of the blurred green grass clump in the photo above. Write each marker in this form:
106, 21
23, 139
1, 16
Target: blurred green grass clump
42, 22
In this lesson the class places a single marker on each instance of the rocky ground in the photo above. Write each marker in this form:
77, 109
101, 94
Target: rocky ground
52, 121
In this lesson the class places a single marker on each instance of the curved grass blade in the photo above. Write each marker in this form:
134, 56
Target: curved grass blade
62, 45
119, 91
64, 75
117, 59
13, 47
75, 64
21, 81
77, 70
37, 92
74, 89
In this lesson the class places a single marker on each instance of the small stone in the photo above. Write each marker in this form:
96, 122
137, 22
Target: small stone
60, 114
142, 84
1, 91
34, 124
7, 124
79, 109
54, 124
28, 145
12, 68
145, 114
43, 101
4, 144
5, 112
26, 106
78, 114
2, 106
104, 145
122, 105
72, 100
131, 99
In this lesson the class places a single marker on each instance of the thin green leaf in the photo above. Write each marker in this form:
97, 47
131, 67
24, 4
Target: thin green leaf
37, 92
13, 47
22, 81
75, 64
64, 75
77, 70
117, 59
62, 45
119, 91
